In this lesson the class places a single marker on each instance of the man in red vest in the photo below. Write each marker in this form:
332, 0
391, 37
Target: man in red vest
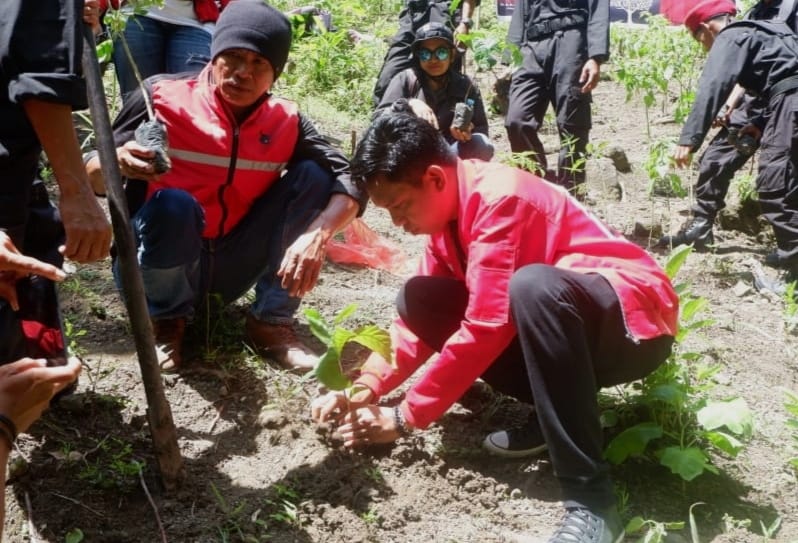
251, 196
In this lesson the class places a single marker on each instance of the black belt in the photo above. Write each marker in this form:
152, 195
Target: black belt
783, 86
548, 27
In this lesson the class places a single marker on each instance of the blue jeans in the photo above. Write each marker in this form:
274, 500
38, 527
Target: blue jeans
158, 48
479, 146
181, 270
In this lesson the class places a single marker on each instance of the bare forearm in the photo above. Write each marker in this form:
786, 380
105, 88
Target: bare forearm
53, 125
340, 211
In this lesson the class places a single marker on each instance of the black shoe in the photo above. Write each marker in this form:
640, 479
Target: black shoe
775, 260
517, 442
582, 525
697, 231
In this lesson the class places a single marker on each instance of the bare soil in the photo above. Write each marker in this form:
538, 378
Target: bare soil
257, 468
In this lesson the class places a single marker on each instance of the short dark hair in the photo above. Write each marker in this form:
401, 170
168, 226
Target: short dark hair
399, 147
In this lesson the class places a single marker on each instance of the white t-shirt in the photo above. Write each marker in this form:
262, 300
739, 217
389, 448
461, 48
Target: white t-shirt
178, 12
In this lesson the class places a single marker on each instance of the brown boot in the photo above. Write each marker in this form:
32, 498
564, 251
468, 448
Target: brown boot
168, 342
281, 343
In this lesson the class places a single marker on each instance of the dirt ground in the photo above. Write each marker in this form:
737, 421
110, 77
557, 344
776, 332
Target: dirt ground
258, 470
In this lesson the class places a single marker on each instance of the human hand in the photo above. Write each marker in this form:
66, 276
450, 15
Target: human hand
91, 15
423, 111
723, 116
368, 425
136, 161
88, 232
682, 156
590, 75
302, 263
334, 405
28, 385
751, 130
461, 135
14, 265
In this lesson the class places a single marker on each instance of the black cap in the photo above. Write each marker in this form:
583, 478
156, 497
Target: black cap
256, 26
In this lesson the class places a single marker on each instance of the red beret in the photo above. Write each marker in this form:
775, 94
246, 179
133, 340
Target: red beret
706, 10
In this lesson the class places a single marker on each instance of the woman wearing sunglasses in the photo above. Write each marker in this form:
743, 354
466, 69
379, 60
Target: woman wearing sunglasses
433, 89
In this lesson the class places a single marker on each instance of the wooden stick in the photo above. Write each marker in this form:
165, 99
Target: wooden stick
159, 414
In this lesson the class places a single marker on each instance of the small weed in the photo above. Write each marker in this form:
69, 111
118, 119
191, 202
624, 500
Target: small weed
791, 308
284, 507
791, 405
236, 524
374, 474
115, 468
525, 161
371, 517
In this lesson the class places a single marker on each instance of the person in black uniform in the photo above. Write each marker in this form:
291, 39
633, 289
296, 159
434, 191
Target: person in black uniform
762, 57
40, 68
433, 90
414, 15
563, 43
722, 158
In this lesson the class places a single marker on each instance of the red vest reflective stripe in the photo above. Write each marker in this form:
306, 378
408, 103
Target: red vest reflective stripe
224, 166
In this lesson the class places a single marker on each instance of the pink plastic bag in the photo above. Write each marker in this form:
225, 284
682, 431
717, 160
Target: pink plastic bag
364, 246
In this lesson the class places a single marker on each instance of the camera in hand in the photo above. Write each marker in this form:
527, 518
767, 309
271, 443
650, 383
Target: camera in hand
40, 320
152, 134
463, 112
745, 144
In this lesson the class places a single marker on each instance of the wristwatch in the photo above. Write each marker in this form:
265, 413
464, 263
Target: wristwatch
467, 22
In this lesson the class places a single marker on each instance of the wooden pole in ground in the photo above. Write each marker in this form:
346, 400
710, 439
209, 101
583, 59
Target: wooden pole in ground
159, 414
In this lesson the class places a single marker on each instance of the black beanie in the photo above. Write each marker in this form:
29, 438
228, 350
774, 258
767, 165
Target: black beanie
255, 26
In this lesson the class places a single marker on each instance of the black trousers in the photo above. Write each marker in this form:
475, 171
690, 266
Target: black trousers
414, 14
719, 163
571, 341
35, 227
550, 75
777, 180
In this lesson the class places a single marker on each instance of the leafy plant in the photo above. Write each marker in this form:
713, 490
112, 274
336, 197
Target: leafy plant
682, 424
237, 522
791, 308
285, 506
115, 467
489, 49
662, 177
335, 337
659, 63
74, 536
791, 405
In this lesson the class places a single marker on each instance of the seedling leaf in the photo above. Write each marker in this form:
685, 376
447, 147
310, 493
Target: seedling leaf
733, 414
632, 442
725, 442
687, 463
328, 371
317, 325
375, 338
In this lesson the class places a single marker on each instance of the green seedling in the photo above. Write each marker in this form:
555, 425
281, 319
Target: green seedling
334, 336
683, 424
74, 536
657, 64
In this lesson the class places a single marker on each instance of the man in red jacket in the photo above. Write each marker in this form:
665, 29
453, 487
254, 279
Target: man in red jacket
251, 196
521, 286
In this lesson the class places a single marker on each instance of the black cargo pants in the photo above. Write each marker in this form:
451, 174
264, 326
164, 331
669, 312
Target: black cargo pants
550, 74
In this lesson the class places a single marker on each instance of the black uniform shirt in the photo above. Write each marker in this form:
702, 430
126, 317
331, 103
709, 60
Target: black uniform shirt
597, 13
40, 57
743, 53
770, 11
